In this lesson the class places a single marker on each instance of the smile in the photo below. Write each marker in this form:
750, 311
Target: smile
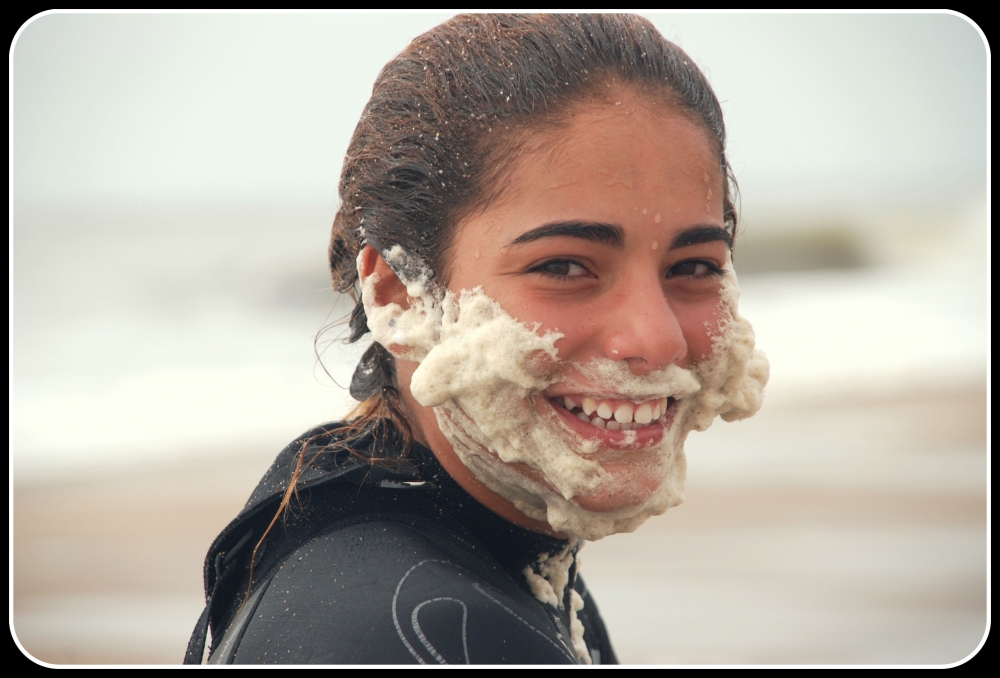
617, 415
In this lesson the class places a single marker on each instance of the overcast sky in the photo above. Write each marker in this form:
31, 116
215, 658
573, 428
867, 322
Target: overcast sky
230, 108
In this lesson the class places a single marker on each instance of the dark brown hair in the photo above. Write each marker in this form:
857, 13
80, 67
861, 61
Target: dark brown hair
441, 130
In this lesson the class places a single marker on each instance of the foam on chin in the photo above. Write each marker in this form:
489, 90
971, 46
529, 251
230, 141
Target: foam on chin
483, 372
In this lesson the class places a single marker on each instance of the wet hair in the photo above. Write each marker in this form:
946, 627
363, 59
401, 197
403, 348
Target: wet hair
441, 132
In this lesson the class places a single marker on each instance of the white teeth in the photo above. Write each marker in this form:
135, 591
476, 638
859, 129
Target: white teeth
626, 417
624, 413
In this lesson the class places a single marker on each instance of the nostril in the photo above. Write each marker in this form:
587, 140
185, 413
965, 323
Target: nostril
639, 366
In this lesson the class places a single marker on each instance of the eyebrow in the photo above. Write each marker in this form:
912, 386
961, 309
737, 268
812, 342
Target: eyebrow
606, 234
614, 235
697, 235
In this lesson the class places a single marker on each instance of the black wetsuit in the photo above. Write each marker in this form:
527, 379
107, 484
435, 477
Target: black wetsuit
381, 564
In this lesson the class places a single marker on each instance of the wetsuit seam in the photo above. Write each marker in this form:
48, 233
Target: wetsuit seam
242, 632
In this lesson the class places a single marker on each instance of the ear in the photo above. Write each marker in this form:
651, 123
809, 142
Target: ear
389, 289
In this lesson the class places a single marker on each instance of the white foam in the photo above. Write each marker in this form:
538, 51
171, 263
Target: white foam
483, 372
548, 578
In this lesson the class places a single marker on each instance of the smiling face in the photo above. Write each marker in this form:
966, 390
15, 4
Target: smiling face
613, 236
608, 248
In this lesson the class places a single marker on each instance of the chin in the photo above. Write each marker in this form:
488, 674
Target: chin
550, 473
622, 493
629, 480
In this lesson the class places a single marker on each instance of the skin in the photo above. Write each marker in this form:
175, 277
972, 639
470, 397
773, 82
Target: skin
651, 175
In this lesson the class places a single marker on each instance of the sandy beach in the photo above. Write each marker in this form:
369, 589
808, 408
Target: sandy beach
820, 532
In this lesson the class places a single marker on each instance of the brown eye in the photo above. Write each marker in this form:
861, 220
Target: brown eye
562, 268
694, 268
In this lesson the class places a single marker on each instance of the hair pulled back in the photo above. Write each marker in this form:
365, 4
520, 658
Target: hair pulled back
440, 133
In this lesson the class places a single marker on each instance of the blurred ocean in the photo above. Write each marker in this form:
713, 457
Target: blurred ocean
138, 337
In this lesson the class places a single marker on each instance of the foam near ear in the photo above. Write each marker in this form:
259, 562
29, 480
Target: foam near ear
406, 333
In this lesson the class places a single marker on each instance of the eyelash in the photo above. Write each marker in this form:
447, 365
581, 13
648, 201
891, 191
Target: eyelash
540, 269
713, 270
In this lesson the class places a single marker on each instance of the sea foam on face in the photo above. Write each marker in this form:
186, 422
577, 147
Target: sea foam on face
483, 372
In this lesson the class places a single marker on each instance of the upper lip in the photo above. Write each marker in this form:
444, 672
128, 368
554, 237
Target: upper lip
609, 396
636, 400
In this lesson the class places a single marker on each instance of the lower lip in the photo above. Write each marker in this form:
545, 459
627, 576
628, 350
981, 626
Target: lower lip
644, 437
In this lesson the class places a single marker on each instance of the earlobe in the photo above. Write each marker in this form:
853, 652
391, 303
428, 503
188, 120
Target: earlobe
389, 289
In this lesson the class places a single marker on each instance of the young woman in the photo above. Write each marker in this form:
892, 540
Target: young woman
536, 222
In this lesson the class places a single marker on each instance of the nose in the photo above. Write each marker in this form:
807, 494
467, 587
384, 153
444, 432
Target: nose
644, 330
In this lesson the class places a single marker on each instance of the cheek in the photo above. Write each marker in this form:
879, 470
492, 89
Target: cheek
575, 323
700, 326
578, 340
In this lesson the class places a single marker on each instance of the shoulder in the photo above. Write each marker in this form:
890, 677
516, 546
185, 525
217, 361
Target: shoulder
385, 592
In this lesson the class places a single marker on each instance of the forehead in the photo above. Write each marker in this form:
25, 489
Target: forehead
606, 162
625, 135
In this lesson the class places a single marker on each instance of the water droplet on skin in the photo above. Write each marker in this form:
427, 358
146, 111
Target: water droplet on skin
655, 244
477, 254
678, 210
705, 177
706, 208
709, 196
504, 250
644, 210
656, 217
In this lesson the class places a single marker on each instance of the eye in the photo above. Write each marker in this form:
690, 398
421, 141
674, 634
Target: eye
694, 268
562, 268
